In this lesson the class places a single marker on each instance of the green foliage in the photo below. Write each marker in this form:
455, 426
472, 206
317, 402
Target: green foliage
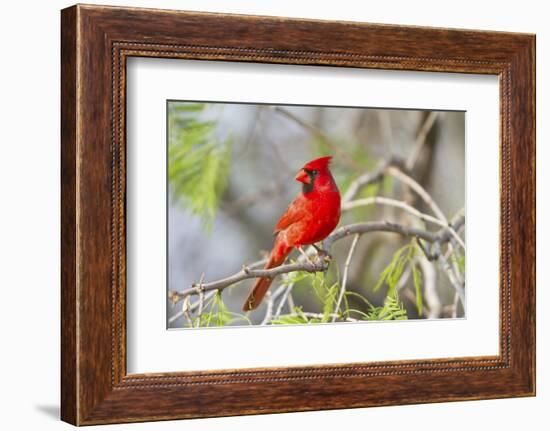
417, 281
391, 275
294, 277
349, 293
296, 317
326, 294
199, 162
460, 261
187, 107
218, 314
388, 184
352, 312
393, 272
391, 310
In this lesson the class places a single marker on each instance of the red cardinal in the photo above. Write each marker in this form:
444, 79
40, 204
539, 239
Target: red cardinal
310, 218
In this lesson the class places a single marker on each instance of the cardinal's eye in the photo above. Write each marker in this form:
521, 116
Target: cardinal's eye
314, 172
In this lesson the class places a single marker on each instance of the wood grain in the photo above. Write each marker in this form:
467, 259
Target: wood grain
69, 367
95, 42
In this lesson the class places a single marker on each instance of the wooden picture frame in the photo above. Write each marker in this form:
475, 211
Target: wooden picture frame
95, 43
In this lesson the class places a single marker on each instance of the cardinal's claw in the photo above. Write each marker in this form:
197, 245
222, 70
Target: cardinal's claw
322, 253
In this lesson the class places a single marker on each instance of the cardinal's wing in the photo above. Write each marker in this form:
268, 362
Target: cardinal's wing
295, 212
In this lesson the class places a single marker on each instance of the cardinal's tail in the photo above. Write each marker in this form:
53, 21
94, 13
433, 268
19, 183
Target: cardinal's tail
277, 257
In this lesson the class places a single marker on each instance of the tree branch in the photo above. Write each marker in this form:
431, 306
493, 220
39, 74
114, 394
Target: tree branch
400, 204
421, 139
459, 289
365, 180
404, 178
283, 300
345, 276
367, 227
430, 290
320, 316
247, 273
269, 309
186, 309
321, 264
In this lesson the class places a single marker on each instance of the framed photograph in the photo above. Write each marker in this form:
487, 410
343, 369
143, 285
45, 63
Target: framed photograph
322, 214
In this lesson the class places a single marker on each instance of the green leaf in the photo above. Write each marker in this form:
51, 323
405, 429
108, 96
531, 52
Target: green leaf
297, 317
287, 320
187, 107
294, 277
330, 302
393, 272
198, 161
350, 311
460, 261
237, 317
417, 281
327, 295
359, 296
391, 310
216, 313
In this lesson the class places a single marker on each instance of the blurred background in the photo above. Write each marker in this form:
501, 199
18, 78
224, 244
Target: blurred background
231, 176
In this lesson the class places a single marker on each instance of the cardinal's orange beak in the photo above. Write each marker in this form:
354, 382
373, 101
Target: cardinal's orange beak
303, 177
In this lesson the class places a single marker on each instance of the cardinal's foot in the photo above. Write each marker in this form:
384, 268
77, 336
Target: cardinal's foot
323, 254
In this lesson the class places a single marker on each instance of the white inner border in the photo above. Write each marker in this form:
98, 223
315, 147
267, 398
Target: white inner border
153, 348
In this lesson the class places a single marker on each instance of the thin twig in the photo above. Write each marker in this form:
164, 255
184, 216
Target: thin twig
384, 120
365, 180
402, 282
186, 312
451, 245
345, 276
429, 275
283, 300
459, 289
390, 166
320, 265
287, 295
201, 299
397, 173
319, 134
400, 204
290, 300
421, 139
401, 176
321, 315
269, 308
193, 305
247, 273
366, 227
455, 306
